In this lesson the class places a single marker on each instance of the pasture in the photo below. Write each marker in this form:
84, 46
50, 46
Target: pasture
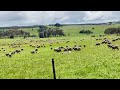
91, 62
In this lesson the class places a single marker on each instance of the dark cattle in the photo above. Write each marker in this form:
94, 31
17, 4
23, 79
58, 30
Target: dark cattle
61, 47
7, 54
36, 49
116, 39
84, 45
38, 46
21, 49
13, 52
10, 55
17, 51
106, 42
115, 47
67, 41
65, 49
66, 46
58, 49
69, 49
93, 36
113, 40
97, 44
77, 48
109, 46
33, 52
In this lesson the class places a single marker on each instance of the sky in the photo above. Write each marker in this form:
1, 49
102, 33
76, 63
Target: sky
21, 18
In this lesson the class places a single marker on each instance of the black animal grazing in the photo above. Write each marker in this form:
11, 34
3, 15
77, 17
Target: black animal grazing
17, 51
77, 48
7, 54
109, 46
33, 52
93, 36
115, 47
97, 44
113, 40
38, 46
84, 45
36, 49
58, 49
10, 55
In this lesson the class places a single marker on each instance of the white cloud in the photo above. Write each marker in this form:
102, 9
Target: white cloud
8, 18
93, 15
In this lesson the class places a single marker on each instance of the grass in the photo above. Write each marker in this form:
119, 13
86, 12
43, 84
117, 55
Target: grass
92, 62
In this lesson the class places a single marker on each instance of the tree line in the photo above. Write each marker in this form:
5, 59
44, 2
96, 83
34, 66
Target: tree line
14, 32
45, 32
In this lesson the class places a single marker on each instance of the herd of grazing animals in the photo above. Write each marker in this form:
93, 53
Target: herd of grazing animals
109, 43
36, 45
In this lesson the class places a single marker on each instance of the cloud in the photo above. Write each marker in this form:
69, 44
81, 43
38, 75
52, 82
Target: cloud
93, 15
11, 18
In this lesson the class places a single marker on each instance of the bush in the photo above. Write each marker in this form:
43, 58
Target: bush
86, 31
112, 31
11, 36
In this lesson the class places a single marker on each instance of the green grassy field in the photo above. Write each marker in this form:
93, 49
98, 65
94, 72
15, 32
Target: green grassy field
91, 62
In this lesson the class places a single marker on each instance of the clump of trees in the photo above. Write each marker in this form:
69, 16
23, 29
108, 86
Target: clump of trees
112, 31
58, 25
48, 32
14, 33
86, 31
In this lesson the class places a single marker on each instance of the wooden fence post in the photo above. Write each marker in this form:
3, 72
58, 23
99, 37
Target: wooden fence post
53, 66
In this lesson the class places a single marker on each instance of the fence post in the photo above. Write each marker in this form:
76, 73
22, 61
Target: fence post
53, 66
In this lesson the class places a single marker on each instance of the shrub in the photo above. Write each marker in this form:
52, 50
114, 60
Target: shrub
12, 36
86, 31
112, 31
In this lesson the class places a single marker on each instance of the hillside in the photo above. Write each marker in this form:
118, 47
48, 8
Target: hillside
73, 30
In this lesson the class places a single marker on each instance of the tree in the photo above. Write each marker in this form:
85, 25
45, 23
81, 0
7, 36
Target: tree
110, 23
58, 25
